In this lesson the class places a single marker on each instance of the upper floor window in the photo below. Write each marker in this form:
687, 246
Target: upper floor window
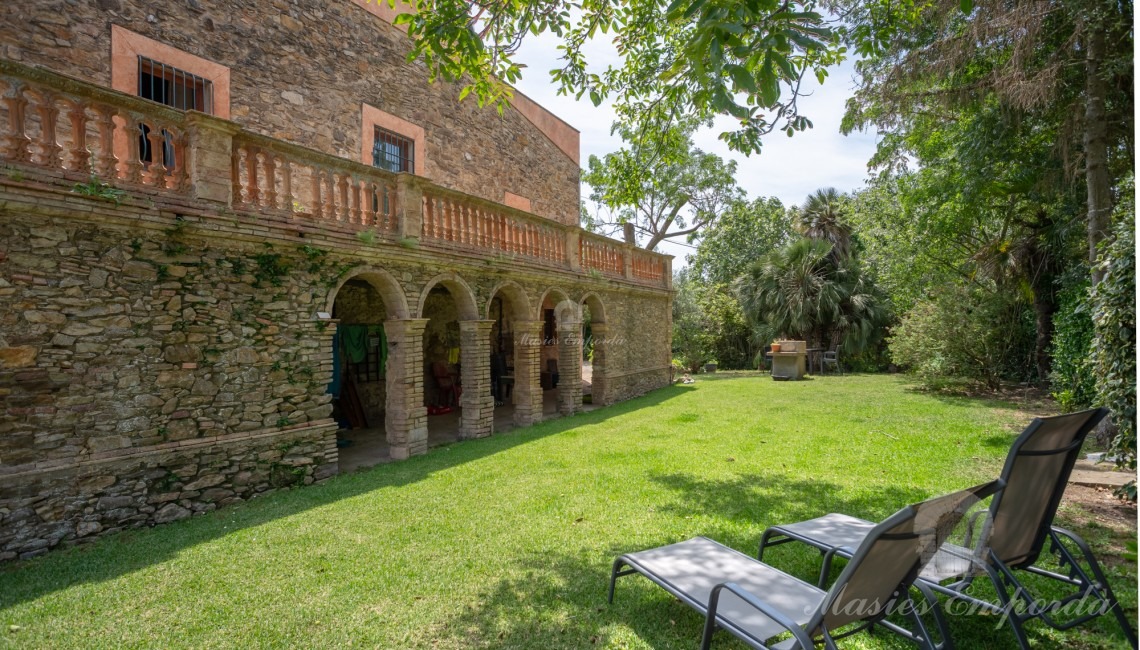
393, 152
176, 88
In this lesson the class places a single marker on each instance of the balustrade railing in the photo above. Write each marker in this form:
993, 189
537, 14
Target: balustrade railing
274, 176
647, 266
70, 130
76, 130
600, 254
467, 222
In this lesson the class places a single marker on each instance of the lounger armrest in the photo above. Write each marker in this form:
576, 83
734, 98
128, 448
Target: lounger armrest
788, 624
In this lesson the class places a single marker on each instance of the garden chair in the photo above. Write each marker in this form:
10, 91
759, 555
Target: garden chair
831, 358
756, 602
1017, 526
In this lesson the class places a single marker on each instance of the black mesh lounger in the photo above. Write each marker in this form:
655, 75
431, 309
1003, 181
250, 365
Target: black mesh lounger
1017, 526
756, 602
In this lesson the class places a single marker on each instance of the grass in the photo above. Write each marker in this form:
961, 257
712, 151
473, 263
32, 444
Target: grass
507, 542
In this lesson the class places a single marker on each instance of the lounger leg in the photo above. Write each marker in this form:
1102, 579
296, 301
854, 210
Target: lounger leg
763, 544
943, 628
1106, 590
825, 570
1007, 602
618, 564
710, 618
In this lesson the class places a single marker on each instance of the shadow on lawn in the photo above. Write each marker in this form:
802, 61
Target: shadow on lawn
560, 602
131, 550
556, 602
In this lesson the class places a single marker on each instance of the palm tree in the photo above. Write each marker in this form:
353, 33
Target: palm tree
802, 292
822, 217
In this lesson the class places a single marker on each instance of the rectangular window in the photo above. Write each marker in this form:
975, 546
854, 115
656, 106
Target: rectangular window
176, 88
393, 152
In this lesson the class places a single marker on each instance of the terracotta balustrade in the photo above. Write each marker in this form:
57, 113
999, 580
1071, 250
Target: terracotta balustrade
601, 254
77, 131
648, 267
466, 222
273, 176
66, 131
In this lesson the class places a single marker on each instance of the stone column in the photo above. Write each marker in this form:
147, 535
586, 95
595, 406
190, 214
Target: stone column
569, 367
528, 369
598, 385
409, 207
573, 249
627, 262
209, 161
405, 417
478, 416
629, 234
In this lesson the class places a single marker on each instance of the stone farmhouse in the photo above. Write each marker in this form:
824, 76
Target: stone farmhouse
229, 230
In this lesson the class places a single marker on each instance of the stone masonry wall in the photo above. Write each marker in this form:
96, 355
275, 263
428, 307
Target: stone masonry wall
154, 347
638, 345
161, 361
300, 72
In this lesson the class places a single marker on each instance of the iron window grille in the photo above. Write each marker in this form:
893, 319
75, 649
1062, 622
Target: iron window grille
176, 88
393, 152
165, 84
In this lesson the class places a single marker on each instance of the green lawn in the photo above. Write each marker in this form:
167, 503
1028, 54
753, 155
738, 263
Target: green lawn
507, 542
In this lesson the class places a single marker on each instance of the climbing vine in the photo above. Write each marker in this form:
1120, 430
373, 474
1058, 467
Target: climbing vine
1114, 341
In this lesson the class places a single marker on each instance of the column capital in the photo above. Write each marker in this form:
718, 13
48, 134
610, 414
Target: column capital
532, 327
397, 327
476, 325
599, 328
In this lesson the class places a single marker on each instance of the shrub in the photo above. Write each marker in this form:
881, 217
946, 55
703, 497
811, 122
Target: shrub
1073, 383
962, 334
1114, 322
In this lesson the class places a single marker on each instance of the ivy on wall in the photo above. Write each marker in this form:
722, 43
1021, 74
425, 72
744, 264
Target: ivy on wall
1114, 322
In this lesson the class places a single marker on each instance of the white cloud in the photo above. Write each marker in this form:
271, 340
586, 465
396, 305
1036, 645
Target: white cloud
787, 168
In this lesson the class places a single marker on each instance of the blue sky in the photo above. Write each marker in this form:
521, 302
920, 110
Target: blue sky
787, 168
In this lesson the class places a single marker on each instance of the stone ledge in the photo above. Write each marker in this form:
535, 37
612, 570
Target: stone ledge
639, 371
256, 229
51, 466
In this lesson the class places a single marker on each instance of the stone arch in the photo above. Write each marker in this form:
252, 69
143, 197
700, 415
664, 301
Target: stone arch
599, 339
568, 318
384, 284
520, 304
565, 310
460, 291
597, 307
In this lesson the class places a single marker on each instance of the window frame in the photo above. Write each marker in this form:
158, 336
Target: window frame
372, 118
395, 148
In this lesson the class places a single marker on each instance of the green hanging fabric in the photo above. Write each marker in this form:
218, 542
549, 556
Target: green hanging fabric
378, 331
355, 342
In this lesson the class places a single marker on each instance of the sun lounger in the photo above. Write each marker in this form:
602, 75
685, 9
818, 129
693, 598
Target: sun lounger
756, 602
1010, 539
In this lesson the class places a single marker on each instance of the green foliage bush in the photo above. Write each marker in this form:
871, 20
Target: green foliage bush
1114, 320
962, 335
708, 325
1073, 383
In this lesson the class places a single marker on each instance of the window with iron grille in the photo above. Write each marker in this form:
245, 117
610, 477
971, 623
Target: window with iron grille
176, 88
393, 152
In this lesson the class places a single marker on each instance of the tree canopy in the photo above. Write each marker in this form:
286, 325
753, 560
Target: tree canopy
668, 190
703, 58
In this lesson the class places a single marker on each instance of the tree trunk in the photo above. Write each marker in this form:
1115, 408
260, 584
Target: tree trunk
1044, 306
1096, 144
